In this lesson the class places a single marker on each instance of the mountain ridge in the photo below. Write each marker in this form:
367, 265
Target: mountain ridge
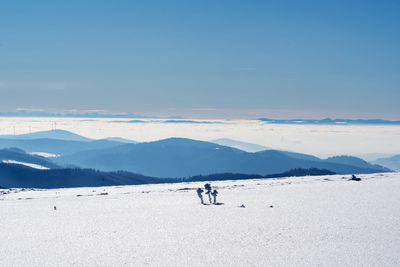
392, 162
51, 134
181, 157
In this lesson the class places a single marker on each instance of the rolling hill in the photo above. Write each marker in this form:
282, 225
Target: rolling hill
248, 147
59, 142
15, 175
18, 155
390, 162
179, 157
53, 134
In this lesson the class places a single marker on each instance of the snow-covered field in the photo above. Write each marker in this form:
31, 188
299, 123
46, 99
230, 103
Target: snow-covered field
304, 221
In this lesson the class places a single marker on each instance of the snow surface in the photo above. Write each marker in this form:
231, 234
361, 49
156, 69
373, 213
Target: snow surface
32, 165
45, 154
313, 221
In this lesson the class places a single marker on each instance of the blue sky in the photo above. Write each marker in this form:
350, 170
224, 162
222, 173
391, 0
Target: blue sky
232, 58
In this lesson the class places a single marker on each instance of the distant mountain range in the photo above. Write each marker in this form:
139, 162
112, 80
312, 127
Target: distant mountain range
179, 157
180, 119
371, 157
390, 162
18, 155
121, 140
248, 147
174, 157
59, 142
331, 121
56, 146
53, 134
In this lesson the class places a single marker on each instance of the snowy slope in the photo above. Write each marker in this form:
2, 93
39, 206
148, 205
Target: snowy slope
314, 221
45, 154
32, 165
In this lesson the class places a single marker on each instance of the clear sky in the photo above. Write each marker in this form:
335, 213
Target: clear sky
203, 58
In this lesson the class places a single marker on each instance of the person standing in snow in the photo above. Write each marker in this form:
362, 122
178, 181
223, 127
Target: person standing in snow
199, 193
208, 191
214, 194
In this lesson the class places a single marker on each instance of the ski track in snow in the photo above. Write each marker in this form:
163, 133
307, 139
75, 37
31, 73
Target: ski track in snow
313, 221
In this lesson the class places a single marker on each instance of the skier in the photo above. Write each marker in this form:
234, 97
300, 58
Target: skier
199, 191
214, 194
208, 191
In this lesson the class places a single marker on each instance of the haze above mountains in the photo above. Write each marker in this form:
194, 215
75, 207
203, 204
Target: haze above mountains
105, 114
169, 158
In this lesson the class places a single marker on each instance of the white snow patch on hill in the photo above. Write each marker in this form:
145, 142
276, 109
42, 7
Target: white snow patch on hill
45, 154
313, 221
32, 165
